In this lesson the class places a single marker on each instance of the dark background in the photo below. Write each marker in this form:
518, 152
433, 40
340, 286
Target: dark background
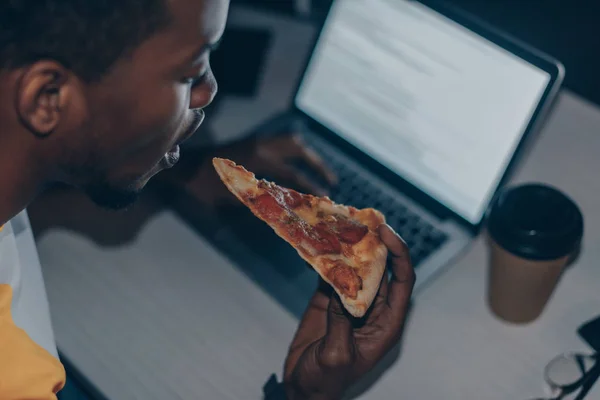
568, 30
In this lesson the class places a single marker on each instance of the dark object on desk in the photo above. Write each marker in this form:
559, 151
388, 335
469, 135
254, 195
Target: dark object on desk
240, 60
534, 231
589, 381
590, 332
570, 374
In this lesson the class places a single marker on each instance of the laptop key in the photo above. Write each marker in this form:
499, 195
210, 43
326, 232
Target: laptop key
421, 238
415, 230
416, 258
402, 221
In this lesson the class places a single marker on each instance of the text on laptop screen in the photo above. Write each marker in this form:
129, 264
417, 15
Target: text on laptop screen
431, 100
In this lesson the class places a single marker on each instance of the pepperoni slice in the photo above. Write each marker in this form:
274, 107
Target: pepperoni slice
348, 230
276, 207
289, 197
297, 228
292, 198
324, 240
345, 279
268, 207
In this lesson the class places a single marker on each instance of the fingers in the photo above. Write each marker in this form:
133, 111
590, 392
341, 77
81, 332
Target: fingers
338, 346
403, 275
316, 162
276, 152
314, 321
382, 293
300, 150
289, 174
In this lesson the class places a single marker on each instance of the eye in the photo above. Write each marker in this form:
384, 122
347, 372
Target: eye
196, 80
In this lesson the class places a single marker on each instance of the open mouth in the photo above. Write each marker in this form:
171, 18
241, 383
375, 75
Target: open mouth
196, 122
172, 156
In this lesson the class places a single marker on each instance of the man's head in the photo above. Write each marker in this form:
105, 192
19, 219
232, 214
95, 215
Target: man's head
100, 93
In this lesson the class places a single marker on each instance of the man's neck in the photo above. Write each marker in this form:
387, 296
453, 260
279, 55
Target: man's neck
19, 179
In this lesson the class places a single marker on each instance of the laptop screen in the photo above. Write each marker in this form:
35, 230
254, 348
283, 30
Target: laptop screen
431, 100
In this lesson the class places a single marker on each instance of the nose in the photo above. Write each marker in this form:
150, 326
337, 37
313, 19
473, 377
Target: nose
204, 93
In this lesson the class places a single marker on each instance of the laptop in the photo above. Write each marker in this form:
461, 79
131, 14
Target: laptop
422, 112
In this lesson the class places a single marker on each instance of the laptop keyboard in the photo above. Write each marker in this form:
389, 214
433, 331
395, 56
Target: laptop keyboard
355, 189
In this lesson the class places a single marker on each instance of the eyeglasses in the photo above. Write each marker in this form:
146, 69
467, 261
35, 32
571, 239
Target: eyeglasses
571, 376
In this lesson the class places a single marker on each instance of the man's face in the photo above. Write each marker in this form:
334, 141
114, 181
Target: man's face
147, 105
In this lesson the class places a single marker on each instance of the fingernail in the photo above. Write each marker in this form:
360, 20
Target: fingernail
387, 226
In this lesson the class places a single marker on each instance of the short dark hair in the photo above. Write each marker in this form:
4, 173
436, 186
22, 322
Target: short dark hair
86, 36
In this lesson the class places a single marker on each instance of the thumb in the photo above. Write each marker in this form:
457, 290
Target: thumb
338, 344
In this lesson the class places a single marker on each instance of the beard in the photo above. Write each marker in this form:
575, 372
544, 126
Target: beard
111, 197
100, 188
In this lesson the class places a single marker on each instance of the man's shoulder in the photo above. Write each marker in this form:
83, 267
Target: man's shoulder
21, 271
25, 329
9, 259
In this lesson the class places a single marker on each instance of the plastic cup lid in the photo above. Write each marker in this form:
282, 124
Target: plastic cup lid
535, 221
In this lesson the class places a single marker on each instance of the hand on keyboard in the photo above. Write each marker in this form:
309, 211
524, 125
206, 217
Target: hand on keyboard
279, 158
271, 158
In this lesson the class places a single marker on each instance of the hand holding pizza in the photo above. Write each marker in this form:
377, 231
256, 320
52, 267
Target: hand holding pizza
331, 349
357, 314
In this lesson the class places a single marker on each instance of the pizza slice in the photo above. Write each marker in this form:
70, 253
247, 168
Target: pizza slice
341, 243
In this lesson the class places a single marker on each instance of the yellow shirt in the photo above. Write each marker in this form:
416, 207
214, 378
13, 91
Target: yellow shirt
28, 371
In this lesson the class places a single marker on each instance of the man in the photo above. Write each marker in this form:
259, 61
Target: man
98, 95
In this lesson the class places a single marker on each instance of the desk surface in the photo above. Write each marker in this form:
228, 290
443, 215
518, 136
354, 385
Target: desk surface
132, 318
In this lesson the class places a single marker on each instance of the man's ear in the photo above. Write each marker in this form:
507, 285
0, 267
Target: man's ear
44, 94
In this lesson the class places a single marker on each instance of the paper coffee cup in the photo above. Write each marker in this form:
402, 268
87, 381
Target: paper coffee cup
533, 230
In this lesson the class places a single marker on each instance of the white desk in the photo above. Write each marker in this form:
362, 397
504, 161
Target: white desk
143, 325
454, 348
